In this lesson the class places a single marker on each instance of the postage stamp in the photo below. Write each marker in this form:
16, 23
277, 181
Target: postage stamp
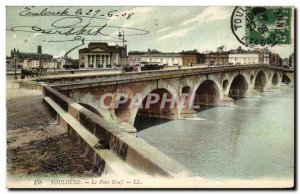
263, 26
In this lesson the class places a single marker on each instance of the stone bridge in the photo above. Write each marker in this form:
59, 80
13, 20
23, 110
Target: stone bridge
214, 86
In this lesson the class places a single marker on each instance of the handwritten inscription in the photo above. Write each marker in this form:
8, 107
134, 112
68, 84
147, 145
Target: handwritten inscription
91, 13
76, 25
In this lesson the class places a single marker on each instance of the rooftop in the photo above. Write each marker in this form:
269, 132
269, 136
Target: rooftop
103, 46
153, 53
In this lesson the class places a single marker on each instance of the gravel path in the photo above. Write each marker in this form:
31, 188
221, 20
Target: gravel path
36, 144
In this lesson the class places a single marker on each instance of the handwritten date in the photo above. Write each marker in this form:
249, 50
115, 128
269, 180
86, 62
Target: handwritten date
89, 13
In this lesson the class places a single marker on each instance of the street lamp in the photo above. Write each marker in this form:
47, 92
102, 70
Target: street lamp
16, 60
121, 36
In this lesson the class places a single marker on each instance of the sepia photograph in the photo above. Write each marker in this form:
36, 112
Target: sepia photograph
150, 97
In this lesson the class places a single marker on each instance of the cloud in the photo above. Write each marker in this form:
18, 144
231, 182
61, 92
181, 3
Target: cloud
128, 24
164, 29
61, 53
29, 39
35, 35
140, 9
135, 11
209, 14
123, 22
179, 33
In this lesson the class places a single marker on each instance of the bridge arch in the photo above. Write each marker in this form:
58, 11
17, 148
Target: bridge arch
238, 86
122, 108
154, 110
260, 82
285, 79
208, 92
275, 79
92, 103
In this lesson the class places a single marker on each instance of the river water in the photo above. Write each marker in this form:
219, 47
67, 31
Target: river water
252, 140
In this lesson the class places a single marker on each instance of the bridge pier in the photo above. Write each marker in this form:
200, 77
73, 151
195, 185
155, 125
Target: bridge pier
270, 86
127, 127
158, 113
187, 113
227, 101
251, 92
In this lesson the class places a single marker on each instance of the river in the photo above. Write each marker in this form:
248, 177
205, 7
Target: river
252, 140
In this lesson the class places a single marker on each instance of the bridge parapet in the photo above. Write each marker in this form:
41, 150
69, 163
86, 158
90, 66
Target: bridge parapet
102, 140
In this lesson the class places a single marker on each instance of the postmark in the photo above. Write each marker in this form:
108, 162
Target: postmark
262, 27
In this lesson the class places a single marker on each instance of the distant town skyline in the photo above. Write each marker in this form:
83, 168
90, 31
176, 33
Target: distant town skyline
167, 29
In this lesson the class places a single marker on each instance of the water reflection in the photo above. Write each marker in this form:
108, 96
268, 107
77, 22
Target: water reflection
143, 122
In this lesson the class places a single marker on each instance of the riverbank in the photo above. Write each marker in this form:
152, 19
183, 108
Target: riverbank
36, 144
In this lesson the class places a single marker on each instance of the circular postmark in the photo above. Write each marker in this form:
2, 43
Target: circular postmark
262, 27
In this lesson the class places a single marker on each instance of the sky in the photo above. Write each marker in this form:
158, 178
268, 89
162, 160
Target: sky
167, 29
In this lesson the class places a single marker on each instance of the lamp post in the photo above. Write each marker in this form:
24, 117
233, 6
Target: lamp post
122, 36
16, 61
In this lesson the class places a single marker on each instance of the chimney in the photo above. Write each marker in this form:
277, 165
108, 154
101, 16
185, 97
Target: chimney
39, 50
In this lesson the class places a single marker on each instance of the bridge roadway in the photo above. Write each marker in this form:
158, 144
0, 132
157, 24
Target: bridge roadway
66, 82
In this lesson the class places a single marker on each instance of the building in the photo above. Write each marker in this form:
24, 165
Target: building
264, 56
248, 57
244, 57
31, 56
154, 57
272, 59
102, 55
33, 64
23, 58
59, 65
291, 60
220, 57
51, 64
123, 61
135, 57
275, 59
192, 57
217, 58
10, 63
285, 62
